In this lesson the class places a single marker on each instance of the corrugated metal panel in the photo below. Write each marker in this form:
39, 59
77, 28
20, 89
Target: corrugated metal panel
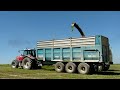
71, 42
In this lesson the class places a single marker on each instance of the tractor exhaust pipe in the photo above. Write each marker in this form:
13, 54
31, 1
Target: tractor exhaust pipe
79, 29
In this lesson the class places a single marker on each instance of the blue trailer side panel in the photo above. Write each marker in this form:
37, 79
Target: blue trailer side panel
76, 53
66, 53
48, 54
56, 53
40, 54
70, 54
91, 49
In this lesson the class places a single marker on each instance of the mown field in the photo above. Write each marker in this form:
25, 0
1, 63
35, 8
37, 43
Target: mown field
48, 72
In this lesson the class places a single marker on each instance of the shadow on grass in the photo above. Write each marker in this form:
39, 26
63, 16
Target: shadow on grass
107, 73
48, 69
113, 70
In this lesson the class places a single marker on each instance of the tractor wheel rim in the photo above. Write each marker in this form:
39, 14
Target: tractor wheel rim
13, 65
27, 65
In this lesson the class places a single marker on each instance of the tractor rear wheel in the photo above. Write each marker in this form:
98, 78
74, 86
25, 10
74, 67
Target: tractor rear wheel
15, 64
27, 63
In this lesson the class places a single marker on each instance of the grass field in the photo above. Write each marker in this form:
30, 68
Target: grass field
48, 72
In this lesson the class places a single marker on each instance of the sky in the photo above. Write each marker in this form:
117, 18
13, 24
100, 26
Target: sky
22, 29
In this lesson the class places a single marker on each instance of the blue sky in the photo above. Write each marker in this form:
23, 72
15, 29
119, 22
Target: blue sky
21, 29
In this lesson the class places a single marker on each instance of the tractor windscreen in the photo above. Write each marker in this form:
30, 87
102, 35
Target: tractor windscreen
25, 52
31, 52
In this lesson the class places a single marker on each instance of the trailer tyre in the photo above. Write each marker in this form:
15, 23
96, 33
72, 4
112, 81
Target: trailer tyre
59, 67
70, 67
27, 63
100, 68
106, 67
15, 64
83, 68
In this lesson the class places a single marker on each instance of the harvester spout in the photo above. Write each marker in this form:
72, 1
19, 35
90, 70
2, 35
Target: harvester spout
79, 29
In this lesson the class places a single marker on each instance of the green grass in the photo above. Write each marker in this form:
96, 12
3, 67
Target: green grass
48, 72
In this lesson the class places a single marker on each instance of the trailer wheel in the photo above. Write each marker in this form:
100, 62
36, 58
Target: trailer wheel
70, 67
100, 68
59, 67
15, 64
106, 67
83, 68
27, 63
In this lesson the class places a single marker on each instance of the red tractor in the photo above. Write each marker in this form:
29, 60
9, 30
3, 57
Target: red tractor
27, 60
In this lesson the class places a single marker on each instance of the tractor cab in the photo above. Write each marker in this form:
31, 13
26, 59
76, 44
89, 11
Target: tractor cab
31, 53
27, 52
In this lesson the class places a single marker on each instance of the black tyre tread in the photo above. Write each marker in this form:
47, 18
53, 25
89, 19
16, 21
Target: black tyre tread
15, 63
31, 64
61, 65
73, 65
86, 66
106, 67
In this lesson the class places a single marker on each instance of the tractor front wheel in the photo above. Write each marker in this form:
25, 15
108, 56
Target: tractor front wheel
15, 64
